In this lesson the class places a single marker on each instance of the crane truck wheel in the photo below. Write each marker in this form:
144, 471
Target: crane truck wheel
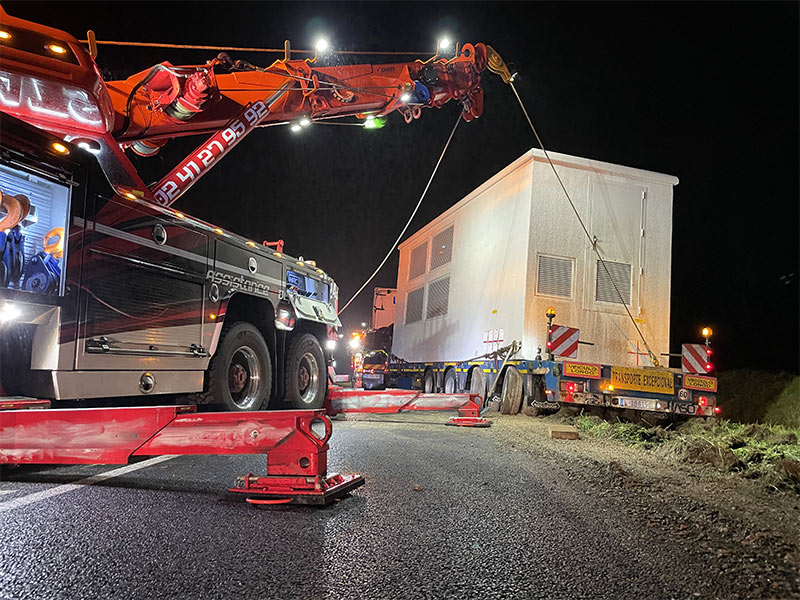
306, 380
511, 396
429, 382
239, 375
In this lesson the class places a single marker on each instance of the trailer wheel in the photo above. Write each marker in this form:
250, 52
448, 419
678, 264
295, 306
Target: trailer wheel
306, 375
477, 384
239, 375
429, 382
450, 382
511, 396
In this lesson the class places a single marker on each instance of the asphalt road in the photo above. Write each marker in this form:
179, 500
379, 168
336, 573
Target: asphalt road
445, 513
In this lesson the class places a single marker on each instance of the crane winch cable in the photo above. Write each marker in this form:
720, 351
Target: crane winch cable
246, 49
414, 212
592, 241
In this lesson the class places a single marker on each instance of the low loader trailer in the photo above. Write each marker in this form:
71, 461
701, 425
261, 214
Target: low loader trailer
542, 386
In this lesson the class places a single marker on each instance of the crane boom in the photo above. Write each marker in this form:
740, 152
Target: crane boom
57, 86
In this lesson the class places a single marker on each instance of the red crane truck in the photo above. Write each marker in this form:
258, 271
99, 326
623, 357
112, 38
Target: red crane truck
106, 291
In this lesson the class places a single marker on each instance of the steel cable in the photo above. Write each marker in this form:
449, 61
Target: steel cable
245, 49
592, 242
408, 223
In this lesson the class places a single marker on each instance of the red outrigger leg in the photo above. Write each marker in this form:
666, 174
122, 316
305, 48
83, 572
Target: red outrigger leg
295, 443
341, 400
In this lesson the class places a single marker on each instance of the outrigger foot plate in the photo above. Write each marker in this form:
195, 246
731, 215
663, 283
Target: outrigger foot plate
293, 490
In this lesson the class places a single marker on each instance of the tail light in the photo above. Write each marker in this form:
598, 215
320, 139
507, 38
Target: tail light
717, 410
702, 401
571, 386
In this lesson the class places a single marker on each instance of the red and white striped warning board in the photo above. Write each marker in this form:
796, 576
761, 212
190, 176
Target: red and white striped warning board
564, 341
693, 358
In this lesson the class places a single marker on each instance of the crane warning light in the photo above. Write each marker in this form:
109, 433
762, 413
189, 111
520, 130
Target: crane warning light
180, 215
59, 147
130, 196
56, 49
218, 231
373, 122
707, 332
4, 35
550, 312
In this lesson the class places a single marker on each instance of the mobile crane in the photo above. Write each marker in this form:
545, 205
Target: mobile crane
106, 291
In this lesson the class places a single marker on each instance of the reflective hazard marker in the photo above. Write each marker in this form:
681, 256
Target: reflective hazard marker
564, 341
694, 359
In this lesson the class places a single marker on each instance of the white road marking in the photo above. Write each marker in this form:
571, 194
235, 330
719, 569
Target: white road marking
7, 492
70, 487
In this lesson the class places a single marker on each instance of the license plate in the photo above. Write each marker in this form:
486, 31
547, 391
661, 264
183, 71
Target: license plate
640, 403
370, 376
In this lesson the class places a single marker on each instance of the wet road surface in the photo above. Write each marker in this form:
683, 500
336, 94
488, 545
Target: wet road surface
445, 513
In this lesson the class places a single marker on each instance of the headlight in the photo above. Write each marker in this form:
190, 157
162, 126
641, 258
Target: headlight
330, 344
9, 312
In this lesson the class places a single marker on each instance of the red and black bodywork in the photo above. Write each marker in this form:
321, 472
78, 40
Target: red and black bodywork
145, 288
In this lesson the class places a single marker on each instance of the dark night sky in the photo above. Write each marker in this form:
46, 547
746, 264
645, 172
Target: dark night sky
706, 92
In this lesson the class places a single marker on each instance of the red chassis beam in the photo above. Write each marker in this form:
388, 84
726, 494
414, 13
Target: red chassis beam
341, 400
294, 441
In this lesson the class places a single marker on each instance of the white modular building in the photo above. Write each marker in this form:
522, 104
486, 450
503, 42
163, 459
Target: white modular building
485, 272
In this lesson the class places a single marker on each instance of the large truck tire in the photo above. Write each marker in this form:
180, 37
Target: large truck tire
511, 396
429, 382
306, 373
450, 382
239, 375
477, 384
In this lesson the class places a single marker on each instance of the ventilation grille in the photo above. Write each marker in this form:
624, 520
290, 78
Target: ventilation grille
621, 277
442, 248
417, 266
555, 276
414, 306
438, 297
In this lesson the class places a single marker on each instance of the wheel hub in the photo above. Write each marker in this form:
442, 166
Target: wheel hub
303, 378
238, 377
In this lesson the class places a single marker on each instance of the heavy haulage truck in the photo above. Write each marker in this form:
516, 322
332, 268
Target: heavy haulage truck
504, 295
108, 292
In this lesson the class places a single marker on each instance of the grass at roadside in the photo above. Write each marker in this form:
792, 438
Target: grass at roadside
749, 396
767, 453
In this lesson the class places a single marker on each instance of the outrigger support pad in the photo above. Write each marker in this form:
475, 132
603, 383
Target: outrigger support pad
341, 400
469, 415
294, 442
318, 490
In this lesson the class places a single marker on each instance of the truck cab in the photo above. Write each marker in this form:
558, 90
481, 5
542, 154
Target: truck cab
106, 296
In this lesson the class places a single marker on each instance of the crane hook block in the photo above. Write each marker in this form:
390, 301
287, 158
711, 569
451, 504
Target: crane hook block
497, 65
